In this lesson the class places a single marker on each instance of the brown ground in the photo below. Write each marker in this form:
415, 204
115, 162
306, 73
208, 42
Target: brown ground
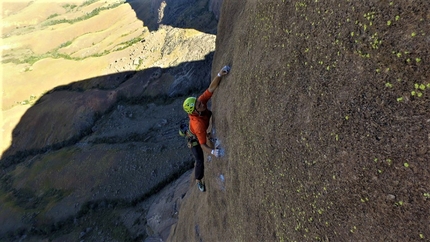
325, 121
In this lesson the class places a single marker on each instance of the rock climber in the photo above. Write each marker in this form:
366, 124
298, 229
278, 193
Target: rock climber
197, 135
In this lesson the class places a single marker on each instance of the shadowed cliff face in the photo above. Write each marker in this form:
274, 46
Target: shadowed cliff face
195, 14
88, 39
325, 122
100, 138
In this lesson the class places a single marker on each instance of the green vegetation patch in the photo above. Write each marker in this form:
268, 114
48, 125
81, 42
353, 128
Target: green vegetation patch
89, 15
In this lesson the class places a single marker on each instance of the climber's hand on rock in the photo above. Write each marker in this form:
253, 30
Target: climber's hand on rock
224, 71
216, 152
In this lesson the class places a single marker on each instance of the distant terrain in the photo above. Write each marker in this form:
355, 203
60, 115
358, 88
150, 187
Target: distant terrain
91, 105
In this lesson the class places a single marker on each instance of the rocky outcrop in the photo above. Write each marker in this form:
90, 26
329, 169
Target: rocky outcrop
161, 8
197, 14
325, 120
108, 143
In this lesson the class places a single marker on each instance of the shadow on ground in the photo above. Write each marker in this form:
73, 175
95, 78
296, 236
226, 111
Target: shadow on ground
105, 143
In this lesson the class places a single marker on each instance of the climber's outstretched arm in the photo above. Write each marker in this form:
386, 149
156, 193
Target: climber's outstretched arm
206, 148
215, 82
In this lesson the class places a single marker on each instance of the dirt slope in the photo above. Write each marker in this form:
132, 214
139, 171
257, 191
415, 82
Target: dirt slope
325, 120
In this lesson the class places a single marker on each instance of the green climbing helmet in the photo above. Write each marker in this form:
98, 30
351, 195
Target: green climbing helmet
190, 104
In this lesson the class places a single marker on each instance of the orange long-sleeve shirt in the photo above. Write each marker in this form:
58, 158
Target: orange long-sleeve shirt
200, 123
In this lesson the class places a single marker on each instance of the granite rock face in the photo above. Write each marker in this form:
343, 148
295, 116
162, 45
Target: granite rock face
93, 153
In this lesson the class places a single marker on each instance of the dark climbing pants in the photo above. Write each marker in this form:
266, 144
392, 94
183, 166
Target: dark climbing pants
199, 158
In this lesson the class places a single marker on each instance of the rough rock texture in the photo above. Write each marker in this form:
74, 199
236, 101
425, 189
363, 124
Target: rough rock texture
197, 14
323, 119
164, 211
325, 122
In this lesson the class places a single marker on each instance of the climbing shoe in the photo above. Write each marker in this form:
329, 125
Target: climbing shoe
201, 186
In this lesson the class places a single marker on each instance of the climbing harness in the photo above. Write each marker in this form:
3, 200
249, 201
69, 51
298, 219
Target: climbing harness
184, 131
